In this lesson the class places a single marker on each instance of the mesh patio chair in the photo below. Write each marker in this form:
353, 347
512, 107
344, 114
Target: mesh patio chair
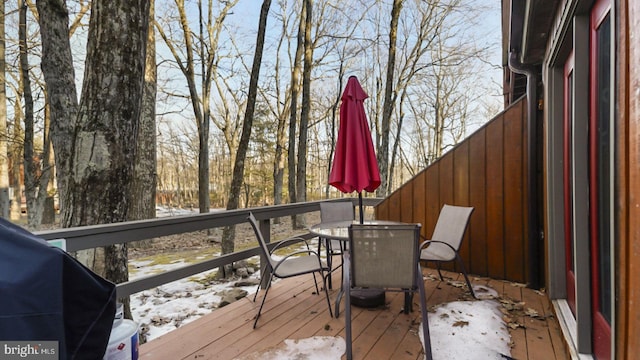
447, 238
332, 212
295, 263
384, 257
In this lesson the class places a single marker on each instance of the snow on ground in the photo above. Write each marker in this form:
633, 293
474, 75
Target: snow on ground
167, 307
313, 348
468, 330
163, 211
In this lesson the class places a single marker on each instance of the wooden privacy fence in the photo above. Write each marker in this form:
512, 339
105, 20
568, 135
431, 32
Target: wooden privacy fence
486, 171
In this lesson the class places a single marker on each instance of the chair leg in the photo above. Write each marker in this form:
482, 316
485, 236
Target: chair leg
324, 285
341, 263
255, 296
327, 247
466, 278
316, 282
439, 273
326, 292
408, 301
425, 316
263, 272
338, 300
266, 291
346, 286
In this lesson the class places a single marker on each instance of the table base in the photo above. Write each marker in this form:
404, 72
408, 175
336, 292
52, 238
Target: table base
368, 298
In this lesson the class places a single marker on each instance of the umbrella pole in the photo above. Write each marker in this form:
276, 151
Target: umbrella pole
361, 208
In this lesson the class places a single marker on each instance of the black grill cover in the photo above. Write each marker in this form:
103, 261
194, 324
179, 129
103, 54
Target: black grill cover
47, 295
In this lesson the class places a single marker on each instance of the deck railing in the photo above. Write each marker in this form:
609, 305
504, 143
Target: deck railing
89, 237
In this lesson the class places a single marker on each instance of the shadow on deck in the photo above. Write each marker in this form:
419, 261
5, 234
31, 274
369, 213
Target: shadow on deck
293, 311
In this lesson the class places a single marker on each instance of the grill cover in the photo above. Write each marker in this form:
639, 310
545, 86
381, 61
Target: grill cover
47, 295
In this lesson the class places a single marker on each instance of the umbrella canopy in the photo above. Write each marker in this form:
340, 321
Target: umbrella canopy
355, 167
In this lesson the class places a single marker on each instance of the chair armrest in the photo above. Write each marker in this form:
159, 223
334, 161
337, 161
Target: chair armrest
293, 254
288, 242
426, 243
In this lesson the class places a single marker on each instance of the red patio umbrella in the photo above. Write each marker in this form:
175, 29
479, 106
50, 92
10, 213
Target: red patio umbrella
355, 167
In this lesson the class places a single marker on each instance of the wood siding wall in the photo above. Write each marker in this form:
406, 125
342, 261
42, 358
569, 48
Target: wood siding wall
486, 171
627, 341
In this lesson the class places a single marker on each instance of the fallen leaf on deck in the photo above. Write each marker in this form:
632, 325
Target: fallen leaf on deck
457, 284
460, 323
532, 313
514, 325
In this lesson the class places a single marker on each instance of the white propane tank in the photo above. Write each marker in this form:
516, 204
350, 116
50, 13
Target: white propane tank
123, 341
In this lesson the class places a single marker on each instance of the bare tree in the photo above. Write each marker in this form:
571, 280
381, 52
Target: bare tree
238, 169
28, 153
15, 140
205, 46
425, 25
345, 51
383, 150
145, 176
282, 115
4, 165
59, 75
293, 117
301, 173
178, 172
36, 169
102, 149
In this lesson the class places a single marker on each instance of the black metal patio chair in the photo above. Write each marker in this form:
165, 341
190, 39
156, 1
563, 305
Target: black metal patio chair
384, 257
295, 263
447, 238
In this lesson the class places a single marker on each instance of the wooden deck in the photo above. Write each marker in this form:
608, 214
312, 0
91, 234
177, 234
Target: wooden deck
293, 311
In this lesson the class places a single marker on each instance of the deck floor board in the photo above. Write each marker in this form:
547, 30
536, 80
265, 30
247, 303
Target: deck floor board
294, 311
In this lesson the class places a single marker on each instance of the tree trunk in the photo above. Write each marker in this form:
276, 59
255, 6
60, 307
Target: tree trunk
4, 165
301, 173
204, 200
334, 115
34, 191
104, 148
279, 163
28, 154
238, 168
44, 199
295, 90
387, 109
145, 172
396, 140
15, 154
59, 76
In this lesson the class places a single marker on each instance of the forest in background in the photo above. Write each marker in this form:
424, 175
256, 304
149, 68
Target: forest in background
107, 106
438, 92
